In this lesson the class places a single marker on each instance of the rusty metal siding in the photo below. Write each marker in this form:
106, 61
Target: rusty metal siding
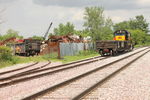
51, 47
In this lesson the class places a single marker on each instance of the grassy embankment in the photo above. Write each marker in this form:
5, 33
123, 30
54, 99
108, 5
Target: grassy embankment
51, 57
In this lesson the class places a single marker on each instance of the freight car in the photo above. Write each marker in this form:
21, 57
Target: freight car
122, 42
28, 47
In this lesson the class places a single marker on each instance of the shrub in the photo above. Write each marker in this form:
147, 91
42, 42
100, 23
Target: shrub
5, 53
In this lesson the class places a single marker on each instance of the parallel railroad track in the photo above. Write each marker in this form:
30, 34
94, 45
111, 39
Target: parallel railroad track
39, 69
31, 74
84, 92
28, 69
17, 69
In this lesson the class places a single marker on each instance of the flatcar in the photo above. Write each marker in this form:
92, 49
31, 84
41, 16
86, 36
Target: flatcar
122, 42
28, 47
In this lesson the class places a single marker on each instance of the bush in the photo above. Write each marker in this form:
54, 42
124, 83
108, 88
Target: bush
5, 53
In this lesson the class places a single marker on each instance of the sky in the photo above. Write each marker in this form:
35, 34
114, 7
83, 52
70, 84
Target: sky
32, 17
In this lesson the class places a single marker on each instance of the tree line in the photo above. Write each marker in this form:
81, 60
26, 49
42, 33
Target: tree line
99, 27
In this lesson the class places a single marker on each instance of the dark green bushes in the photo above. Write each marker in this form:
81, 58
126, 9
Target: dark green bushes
5, 53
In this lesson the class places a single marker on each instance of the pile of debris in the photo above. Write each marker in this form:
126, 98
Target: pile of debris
11, 40
66, 39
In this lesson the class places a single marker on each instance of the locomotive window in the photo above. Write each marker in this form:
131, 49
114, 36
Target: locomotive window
119, 33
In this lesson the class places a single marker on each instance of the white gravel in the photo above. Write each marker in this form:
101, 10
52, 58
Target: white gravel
50, 70
17, 91
75, 88
131, 84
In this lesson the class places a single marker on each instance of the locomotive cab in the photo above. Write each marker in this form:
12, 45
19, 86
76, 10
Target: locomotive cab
122, 35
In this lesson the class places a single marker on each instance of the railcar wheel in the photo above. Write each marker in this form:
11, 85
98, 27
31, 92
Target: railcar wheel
111, 53
131, 48
27, 54
116, 53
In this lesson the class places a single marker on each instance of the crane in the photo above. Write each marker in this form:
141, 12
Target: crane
47, 30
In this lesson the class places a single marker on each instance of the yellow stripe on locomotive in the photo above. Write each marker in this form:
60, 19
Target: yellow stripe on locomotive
119, 38
122, 35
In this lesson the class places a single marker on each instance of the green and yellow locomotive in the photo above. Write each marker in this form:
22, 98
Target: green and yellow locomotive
122, 42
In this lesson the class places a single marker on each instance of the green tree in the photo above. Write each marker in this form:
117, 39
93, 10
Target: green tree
83, 33
96, 23
107, 30
138, 23
64, 29
122, 25
37, 37
11, 33
147, 39
138, 36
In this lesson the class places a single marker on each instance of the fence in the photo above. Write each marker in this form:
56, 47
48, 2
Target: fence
65, 49
70, 49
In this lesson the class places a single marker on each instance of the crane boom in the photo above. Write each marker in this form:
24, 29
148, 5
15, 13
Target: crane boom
47, 30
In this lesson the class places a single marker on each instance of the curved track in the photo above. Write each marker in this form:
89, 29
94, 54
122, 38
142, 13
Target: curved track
38, 72
17, 69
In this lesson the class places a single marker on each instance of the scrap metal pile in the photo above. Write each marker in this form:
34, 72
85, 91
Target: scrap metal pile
10, 40
66, 39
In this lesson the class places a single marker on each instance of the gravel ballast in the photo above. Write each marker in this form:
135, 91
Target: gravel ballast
71, 90
20, 90
131, 84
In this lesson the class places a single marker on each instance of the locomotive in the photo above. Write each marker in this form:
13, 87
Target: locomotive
28, 47
122, 42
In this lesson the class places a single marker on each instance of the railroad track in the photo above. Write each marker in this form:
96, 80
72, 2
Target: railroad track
41, 68
17, 69
36, 73
80, 80
23, 70
38, 69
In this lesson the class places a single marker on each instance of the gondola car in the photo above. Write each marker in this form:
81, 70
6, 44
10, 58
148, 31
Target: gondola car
122, 42
28, 47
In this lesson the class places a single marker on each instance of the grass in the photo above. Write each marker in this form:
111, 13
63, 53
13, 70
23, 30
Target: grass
142, 45
51, 57
81, 55
5, 63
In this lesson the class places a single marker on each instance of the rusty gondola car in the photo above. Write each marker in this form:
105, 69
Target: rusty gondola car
28, 47
122, 42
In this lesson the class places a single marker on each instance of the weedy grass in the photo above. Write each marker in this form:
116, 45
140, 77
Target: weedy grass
49, 57
81, 55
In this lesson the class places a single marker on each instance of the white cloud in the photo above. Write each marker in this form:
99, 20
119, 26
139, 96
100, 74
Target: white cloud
30, 19
144, 2
33, 19
78, 15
